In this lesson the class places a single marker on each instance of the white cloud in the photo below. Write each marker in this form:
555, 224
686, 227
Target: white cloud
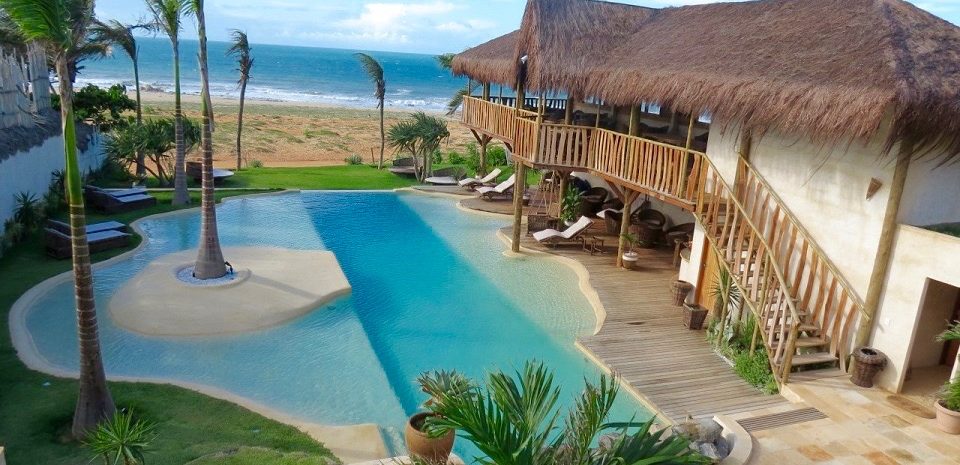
391, 21
465, 26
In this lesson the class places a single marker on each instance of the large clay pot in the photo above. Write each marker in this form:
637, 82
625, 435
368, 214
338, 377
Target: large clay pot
630, 260
948, 420
433, 450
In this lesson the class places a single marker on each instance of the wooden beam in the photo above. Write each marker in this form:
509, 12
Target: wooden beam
616, 189
690, 125
477, 136
568, 111
674, 122
519, 188
599, 108
881, 264
564, 178
634, 129
625, 224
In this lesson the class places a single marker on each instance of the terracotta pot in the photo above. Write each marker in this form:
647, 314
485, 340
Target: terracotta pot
433, 450
948, 420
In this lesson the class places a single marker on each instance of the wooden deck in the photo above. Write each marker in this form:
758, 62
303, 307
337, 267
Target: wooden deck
674, 370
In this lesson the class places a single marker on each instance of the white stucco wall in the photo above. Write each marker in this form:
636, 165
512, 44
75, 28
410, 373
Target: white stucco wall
30, 171
918, 255
723, 150
931, 194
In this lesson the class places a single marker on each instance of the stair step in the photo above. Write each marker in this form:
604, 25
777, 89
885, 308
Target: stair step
804, 327
813, 359
806, 342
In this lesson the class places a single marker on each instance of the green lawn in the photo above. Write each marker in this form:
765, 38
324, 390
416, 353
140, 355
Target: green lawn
35, 409
323, 177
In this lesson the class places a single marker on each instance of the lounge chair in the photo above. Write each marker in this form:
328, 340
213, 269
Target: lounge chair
58, 244
195, 171
118, 201
91, 228
446, 176
404, 167
471, 183
554, 237
503, 189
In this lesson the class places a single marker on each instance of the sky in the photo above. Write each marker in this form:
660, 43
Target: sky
421, 26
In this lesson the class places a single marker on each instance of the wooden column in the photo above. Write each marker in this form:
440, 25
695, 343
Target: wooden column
568, 111
486, 92
690, 125
634, 129
628, 198
674, 122
564, 177
519, 187
599, 108
686, 155
484, 140
881, 264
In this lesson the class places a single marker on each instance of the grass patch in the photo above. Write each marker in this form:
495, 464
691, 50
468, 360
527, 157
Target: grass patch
735, 345
320, 177
259, 455
37, 408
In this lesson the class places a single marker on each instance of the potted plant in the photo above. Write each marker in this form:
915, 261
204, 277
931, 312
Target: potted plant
630, 257
571, 206
726, 295
948, 402
434, 444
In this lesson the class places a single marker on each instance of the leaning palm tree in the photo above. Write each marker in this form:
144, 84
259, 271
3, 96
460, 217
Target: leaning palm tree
121, 35
60, 25
375, 73
210, 262
167, 15
240, 49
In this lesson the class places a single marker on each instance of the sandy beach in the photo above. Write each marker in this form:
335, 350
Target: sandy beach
295, 133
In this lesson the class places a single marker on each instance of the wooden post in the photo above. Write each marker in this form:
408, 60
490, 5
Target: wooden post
753, 339
563, 186
482, 170
568, 111
486, 92
674, 122
628, 198
634, 129
690, 125
469, 87
519, 188
881, 264
599, 108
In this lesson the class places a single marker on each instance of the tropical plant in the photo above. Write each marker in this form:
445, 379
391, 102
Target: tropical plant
631, 240
726, 295
121, 440
353, 160
121, 35
256, 164
167, 17
420, 136
952, 333
375, 72
572, 199
445, 61
950, 395
155, 139
496, 156
61, 26
240, 49
28, 212
103, 107
515, 421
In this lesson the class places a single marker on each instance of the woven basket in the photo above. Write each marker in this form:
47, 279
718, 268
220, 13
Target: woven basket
694, 316
869, 362
540, 222
680, 290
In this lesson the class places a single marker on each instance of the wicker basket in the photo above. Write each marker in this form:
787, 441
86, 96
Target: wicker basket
869, 362
694, 316
540, 222
680, 290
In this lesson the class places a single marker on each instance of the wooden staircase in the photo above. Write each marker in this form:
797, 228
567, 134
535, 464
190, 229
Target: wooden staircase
804, 309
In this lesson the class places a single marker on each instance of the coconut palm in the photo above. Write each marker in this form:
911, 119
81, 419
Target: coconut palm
375, 73
210, 262
62, 25
240, 49
121, 35
167, 16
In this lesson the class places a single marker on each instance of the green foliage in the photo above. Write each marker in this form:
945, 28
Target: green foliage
724, 291
156, 138
950, 395
571, 204
28, 212
456, 158
262, 456
353, 160
755, 369
513, 420
420, 136
103, 107
951, 334
631, 239
121, 440
375, 73
256, 164
437, 157
496, 156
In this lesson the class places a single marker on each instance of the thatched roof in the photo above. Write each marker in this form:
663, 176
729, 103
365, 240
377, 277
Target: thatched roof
490, 62
562, 38
833, 69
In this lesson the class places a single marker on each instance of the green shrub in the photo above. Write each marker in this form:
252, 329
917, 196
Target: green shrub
437, 157
951, 395
28, 214
496, 156
102, 106
755, 369
456, 158
354, 160
256, 164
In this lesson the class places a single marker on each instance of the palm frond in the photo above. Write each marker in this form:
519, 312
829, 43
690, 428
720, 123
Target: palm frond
445, 60
116, 33
240, 49
951, 334
46, 21
167, 16
375, 72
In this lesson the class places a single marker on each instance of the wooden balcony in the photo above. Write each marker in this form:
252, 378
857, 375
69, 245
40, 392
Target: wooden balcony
490, 119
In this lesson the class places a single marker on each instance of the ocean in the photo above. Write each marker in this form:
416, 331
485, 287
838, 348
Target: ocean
284, 73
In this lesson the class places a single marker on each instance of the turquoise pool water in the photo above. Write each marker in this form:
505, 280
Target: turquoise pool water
431, 290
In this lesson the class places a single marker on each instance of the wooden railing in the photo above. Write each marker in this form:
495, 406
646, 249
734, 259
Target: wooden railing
531, 102
564, 146
491, 118
745, 253
819, 289
525, 137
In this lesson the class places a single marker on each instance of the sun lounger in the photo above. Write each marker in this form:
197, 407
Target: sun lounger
119, 201
554, 237
446, 176
195, 171
503, 189
91, 228
404, 167
473, 182
58, 244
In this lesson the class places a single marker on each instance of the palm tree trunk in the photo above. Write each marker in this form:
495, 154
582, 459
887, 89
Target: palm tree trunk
141, 159
243, 91
210, 262
180, 194
383, 137
94, 402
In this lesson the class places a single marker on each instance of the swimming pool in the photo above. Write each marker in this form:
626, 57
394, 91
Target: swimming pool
431, 290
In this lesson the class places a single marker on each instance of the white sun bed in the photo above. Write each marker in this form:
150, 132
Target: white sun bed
468, 182
552, 235
499, 189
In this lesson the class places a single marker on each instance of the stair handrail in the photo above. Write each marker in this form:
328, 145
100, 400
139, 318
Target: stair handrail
858, 302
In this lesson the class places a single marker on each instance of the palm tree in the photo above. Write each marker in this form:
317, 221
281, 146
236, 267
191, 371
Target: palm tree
61, 25
375, 73
240, 48
167, 15
121, 35
210, 262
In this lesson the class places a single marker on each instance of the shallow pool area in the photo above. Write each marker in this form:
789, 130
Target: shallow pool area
432, 289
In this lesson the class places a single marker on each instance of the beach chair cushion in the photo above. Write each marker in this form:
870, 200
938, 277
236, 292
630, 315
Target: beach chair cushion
567, 234
499, 188
489, 177
91, 228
